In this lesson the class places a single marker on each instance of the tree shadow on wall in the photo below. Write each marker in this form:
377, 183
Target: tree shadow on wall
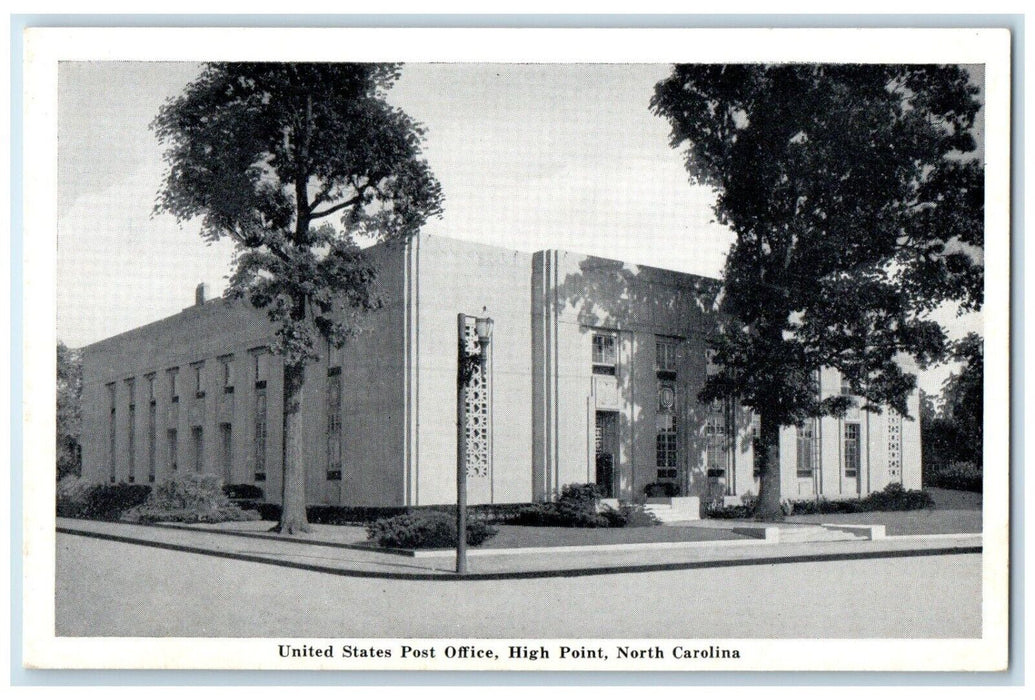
642, 307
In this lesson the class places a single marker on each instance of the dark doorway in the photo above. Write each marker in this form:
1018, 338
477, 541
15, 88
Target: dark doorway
606, 440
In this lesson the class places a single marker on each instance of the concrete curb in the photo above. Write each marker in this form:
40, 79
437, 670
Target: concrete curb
515, 575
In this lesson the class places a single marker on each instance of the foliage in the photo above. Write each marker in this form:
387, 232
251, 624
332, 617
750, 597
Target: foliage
892, 498
243, 492
959, 476
954, 432
77, 498
296, 163
192, 498
661, 489
578, 506
69, 410
425, 530
857, 210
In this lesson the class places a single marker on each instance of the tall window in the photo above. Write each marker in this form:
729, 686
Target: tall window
111, 432
198, 440
605, 355
756, 443
226, 369
226, 451
846, 386
173, 444
152, 438
852, 450
174, 385
715, 435
666, 442
807, 452
131, 446
334, 424
259, 438
665, 357
199, 383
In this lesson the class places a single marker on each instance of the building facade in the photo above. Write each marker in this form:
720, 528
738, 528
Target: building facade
591, 376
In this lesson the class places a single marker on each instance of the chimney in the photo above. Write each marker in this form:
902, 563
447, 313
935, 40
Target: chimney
199, 294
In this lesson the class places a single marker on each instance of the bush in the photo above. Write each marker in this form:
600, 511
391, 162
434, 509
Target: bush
77, 498
959, 476
194, 498
578, 507
892, 498
721, 512
243, 492
629, 515
431, 529
661, 489
73, 495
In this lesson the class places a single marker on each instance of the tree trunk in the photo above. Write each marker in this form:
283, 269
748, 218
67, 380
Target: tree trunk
768, 461
293, 501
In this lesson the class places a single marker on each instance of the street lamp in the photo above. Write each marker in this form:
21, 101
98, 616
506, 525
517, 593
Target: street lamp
467, 364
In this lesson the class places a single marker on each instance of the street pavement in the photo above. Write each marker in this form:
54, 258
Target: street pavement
115, 588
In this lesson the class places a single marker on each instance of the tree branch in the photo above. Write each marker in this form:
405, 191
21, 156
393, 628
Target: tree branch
337, 207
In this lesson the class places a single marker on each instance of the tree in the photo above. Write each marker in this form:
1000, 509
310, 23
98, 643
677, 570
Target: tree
295, 163
857, 210
69, 409
962, 398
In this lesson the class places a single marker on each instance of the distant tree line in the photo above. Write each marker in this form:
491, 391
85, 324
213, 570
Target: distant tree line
952, 428
69, 410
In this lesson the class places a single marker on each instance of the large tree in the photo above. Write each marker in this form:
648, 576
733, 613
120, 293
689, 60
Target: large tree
295, 163
69, 409
857, 206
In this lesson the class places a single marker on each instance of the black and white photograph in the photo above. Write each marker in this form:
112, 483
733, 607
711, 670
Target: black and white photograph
431, 349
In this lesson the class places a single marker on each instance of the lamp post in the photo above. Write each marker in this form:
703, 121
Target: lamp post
466, 365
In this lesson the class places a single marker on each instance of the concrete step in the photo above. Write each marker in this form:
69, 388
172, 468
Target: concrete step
804, 533
667, 514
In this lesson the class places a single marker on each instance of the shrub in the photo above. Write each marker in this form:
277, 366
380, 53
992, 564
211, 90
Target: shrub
578, 507
194, 498
77, 498
892, 498
959, 476
73, 495
243, 492
629, 515
721, 512
429, 529
661, 489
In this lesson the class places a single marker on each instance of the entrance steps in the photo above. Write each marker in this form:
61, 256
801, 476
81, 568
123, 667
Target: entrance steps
675, 509
811, 533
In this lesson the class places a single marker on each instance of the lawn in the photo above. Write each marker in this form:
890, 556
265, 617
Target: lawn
953, 512
520, 536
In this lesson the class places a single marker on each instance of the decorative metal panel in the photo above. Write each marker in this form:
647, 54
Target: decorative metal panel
894, 445
479, 418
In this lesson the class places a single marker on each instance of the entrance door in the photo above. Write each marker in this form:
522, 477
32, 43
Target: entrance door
607, 453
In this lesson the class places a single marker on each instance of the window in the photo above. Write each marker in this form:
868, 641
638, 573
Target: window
715, 436
227, 369
174, 385
199, 385
259, 438
846, 386
173, 444
150, 387
756, 443
807, 452
665, 357
226, 451
152, 438
198, 441
851, 450
131, 447
666, 445
111, 432
604, 353
260, 366
334, 424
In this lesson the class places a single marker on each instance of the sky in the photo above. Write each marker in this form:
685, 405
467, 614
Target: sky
530, 156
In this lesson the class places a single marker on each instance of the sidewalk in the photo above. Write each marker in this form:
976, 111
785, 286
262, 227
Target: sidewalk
338, 550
